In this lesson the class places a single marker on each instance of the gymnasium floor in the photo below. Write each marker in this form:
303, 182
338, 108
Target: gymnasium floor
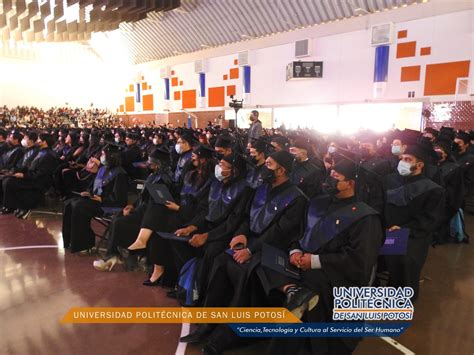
39, 285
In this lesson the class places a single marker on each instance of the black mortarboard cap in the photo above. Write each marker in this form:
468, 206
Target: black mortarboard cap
284, 159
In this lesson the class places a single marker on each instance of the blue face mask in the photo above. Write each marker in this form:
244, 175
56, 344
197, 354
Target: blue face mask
103, 161
332, 150
396, 149
178, 149
404, 168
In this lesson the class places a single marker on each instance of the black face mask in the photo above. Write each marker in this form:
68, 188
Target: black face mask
330, 186
268, 175
219, 156
456, 148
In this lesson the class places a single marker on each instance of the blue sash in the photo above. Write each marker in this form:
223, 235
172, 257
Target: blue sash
221, 197
104, 176
263, 212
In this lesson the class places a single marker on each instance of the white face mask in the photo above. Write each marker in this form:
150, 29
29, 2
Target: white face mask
178, 149
103, 161
155, 141
404, 168
218, 173
396, 150
24, 143
332, 150
117, 140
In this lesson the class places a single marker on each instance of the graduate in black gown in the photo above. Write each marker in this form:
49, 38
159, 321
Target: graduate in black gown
257, 155
23, 190
191, 202
415, 202
453, 183
110, 189
15, 152
124, 227
339, 248
275, 217
466, 161
227, 206
306, 175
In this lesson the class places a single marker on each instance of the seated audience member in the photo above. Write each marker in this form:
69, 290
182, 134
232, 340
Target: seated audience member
275, 218
329, 254
223, 146
109, 189
227, 207
15, 152
415, 202
3, 142
191, 203
23, 190
183, 148
257, 156
304, 174
465, 160
131, 154
125, 227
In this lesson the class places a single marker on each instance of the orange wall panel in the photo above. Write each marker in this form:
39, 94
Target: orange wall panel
148, 102
122, 108
174, 81
216, 96
177, 95
225, 77
402, 34
441, 78
180, 83
405, 50
189, 98
144, 86
234, 73
231, 90
129, 104
410, 73
425, 51
131, 88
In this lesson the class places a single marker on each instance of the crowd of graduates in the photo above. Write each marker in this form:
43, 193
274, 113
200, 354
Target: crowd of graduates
237, 198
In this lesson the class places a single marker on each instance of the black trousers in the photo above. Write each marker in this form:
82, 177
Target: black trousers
20, 193
123, 230
77, 215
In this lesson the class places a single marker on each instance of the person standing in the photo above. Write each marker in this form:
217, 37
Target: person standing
255, 130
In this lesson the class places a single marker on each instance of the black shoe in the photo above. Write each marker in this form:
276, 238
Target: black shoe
157, 282
300, 300
5, 211
210, 349
23, 214
202, 331
16, 212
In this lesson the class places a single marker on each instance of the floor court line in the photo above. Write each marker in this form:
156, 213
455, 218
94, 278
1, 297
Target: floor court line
31, 247
181, 349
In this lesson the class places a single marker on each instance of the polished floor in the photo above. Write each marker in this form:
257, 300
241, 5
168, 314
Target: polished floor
39, 285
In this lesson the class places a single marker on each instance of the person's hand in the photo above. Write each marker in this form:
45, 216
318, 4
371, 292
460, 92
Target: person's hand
127, 209
19, 175
393, 228
96, 198
63, 157
296, 258
239, 239
172, 206
184, 232
198, 240
85, 194
242, 256
304, 262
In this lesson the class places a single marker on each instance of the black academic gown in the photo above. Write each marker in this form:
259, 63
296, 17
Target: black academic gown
227, 207
453, 183
308, 177
26, 193
131, 154
183, 165
275, 218
466, 162
123, 230
254, 179
112, 186
10, 158
193, 204
417, 203
347, 236
369, 188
